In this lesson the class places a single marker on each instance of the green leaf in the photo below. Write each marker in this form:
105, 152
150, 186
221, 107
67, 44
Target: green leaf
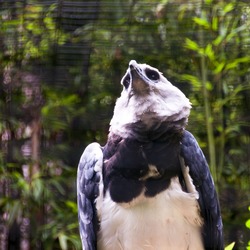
195, 81
215, 23
209, 52
192, 45
38, 188
230, 246
202, 22
72, 205
209, 86
63, 241
219, 67
218, 40
248, 223
236, 62
229, 7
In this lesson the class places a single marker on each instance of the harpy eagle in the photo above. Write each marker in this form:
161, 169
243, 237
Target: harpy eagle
150, 186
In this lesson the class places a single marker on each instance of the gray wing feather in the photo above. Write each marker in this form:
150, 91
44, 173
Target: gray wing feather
88, 180
202, 179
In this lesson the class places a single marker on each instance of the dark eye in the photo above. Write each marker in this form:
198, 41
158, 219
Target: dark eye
152, 74
126, 81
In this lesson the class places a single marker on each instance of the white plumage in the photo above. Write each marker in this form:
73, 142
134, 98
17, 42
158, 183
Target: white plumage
168, 221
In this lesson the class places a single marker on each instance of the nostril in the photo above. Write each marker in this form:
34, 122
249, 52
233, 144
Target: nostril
126, 81
131, 66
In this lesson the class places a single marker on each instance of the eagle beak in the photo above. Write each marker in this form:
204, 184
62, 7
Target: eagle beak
138, 83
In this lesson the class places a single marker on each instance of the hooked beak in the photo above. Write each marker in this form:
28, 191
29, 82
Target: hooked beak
139, 85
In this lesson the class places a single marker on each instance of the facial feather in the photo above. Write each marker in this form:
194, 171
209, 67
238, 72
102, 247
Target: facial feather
149, 98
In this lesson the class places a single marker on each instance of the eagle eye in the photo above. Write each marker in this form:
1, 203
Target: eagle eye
152, 74
126, 81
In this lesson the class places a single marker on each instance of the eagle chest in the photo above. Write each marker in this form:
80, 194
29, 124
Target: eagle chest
132, 168
169, 220
144, 206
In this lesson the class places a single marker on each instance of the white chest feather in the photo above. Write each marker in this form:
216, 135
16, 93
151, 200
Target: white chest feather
169, 221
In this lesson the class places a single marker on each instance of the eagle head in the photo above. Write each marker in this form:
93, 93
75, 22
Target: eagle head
148, 102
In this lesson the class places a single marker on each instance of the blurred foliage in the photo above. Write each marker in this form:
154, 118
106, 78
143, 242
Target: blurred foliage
230, 246
43, 198
200, 46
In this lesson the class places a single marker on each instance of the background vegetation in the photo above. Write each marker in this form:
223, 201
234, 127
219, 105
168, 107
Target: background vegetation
61, 64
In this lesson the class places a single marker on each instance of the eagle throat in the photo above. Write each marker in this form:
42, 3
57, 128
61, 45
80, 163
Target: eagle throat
129, 161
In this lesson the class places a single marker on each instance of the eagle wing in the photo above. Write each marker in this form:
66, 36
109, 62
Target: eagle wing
208, 202
88, 180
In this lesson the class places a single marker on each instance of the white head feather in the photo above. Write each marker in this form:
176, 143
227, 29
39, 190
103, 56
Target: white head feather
147, 97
